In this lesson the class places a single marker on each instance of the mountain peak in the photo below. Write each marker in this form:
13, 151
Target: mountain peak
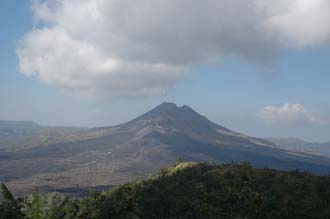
169, 116
167, 106
168, 109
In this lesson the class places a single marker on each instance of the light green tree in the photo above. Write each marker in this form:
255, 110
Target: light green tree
37, 212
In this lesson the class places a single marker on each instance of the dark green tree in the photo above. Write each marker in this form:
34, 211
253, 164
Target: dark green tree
10, 208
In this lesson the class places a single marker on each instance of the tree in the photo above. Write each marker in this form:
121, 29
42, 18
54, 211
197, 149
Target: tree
36, 205
179, 160
9, 207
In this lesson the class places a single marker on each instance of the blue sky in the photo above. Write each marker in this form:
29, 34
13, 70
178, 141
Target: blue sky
233, 92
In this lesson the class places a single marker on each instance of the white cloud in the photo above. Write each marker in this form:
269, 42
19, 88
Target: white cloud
300, 23
135, 48
288, 113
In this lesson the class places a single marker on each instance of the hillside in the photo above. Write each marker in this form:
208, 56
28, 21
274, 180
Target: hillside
196, 190
298, 145
69, 159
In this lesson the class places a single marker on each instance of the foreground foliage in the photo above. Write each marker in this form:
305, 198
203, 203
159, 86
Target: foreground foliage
193, 191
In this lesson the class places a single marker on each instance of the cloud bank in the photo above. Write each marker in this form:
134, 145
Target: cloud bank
288, 113
110, 48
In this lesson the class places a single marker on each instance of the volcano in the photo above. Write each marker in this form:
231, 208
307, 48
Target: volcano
118, 154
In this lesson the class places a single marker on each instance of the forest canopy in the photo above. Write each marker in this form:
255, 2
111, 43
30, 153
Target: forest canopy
189, 191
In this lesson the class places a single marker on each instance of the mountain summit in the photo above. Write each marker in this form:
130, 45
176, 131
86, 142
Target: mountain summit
167, 110
170, 112
168, 117
138, 148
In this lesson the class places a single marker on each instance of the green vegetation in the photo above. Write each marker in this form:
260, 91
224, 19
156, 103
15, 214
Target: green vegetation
192, 191
10, 208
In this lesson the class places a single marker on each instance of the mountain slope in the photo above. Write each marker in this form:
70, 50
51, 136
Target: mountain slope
114, 155
298, 145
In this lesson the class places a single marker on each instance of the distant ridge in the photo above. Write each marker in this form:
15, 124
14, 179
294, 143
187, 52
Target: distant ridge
10, 129
18, 124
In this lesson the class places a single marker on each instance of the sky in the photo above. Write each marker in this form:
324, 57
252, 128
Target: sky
256, 67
